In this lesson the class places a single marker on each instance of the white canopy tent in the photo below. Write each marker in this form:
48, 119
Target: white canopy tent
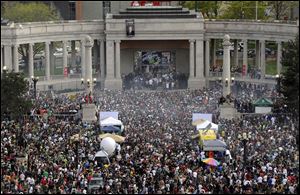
100, 155
110, 121
207, 125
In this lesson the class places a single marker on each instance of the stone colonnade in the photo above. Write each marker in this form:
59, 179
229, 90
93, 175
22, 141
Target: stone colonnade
202, 56
260, 55
10, 57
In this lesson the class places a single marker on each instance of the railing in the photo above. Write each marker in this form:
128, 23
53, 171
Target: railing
253, 20
239, 75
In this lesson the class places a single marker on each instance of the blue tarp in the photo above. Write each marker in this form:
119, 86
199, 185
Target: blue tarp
111, 129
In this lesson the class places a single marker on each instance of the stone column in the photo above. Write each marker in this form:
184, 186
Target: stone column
47, 60
118, 53
192, 61
199, 59
52, 58
214, 43
102, 55
16, 58
245, 56
279, 55
111, 82
236, 54
110, 59
83, 71
1, 59
207, 58
96, 63
226, 66
8, 57
73, 54
257, 54
263, 58
65, 56
31, 70
89, 42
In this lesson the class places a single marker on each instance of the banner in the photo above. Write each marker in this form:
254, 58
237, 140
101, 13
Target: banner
65, 72
244, 70
197, 116
104, 115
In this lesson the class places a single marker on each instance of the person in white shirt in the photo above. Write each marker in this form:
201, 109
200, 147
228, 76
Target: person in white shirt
265, 178
273, 181
284, 181
167, 85
259, 179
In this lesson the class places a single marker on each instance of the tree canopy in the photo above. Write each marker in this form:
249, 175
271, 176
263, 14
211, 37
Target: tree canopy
29, 12
290, 79
209, 9
14, 102
280, 9
244, 10
277, 10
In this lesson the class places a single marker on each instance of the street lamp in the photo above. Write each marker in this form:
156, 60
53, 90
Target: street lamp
5, 69
35, 80
89, 85
245, 138
225, 83
278, 79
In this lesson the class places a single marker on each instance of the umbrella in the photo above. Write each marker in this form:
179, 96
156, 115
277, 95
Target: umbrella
211, 161
117, 138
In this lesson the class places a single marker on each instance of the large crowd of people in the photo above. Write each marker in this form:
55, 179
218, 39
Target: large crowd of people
158, 155
154, 80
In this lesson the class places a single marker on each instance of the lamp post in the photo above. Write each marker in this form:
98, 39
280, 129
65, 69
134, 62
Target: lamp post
245, 138
4, 70
226, 82
278, 84
35, 80
88, 86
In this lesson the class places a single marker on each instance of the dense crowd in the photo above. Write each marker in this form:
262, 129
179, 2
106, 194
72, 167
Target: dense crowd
152, 80
158, 155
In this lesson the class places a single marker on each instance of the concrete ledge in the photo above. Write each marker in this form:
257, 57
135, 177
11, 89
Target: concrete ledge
227, 111
89, 113
196, 83
113, 84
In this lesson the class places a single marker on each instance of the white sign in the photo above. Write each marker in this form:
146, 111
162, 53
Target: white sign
197, 116
263, 110
104, 115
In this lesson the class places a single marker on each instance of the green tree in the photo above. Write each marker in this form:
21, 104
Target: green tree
281, 9
14, 102
245, 10
290, 77
209, 9
29, 12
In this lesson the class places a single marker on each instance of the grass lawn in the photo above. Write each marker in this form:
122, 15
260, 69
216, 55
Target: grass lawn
271, 67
